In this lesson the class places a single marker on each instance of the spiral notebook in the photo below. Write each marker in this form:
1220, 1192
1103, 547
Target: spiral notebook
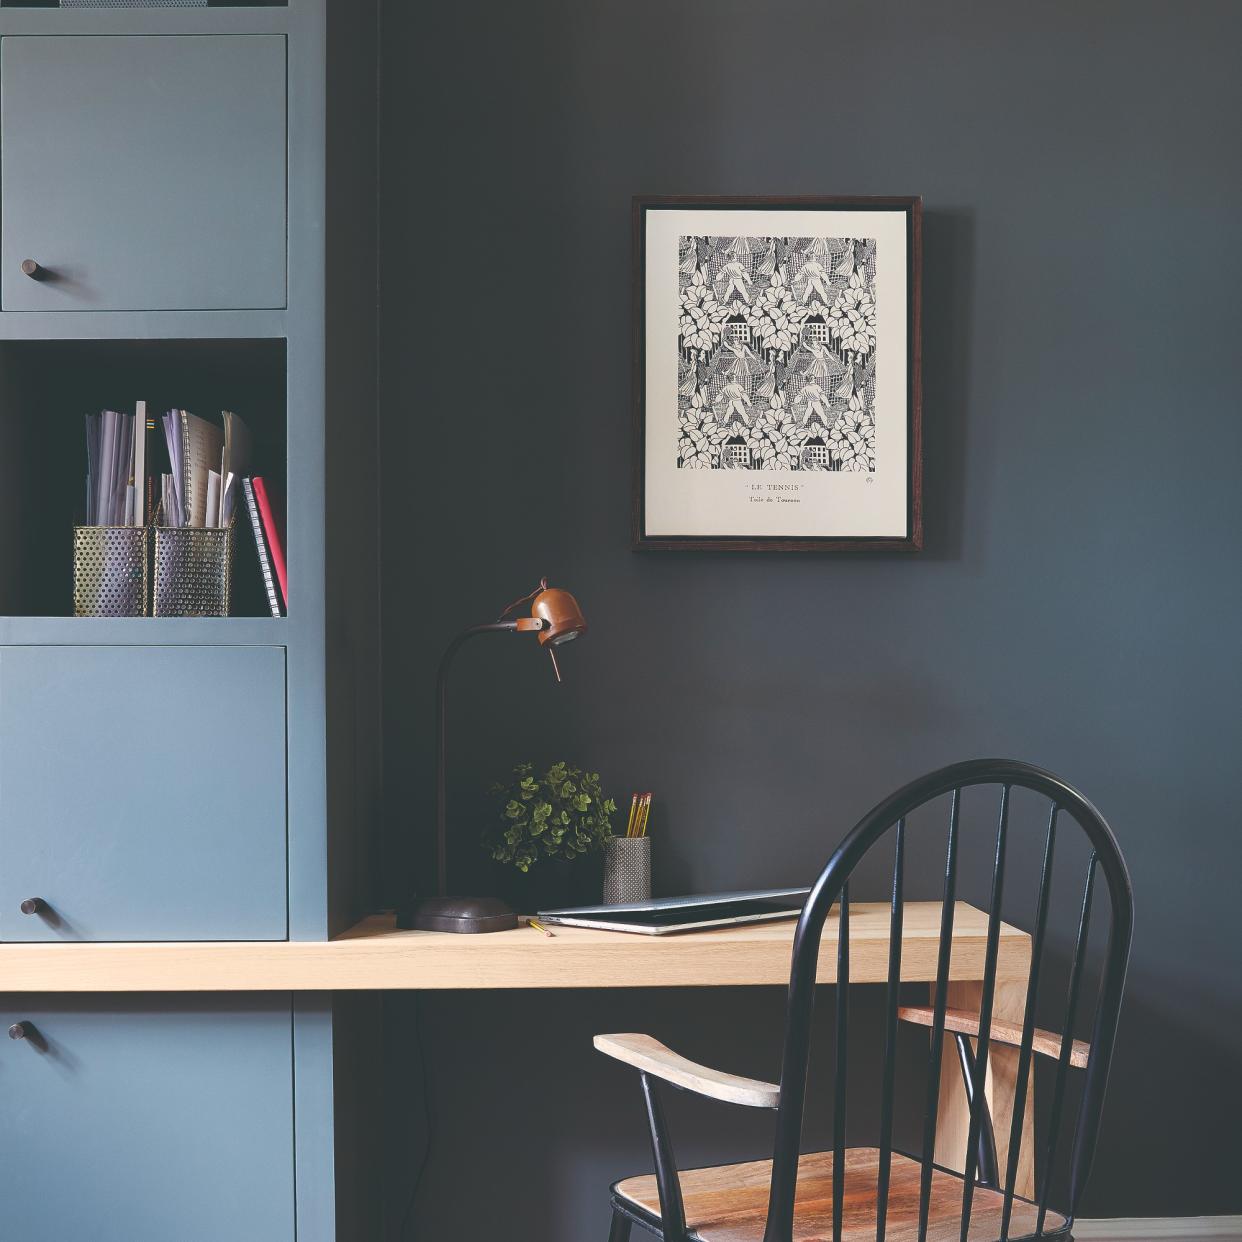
260, 543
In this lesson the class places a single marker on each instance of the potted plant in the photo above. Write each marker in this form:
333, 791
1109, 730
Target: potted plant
548, 822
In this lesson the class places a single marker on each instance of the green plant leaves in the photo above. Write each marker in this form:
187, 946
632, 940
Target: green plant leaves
561, 813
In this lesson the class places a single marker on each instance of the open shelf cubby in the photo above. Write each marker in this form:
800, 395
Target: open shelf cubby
47, 388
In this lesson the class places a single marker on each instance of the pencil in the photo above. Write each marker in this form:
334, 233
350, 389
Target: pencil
539, 927
629, 828
644, 811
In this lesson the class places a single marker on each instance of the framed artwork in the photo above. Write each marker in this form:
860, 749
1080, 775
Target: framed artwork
776, 374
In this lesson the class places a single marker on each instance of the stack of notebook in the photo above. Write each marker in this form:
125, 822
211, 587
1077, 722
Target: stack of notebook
208, 465
116, 446
269, 544
205, 463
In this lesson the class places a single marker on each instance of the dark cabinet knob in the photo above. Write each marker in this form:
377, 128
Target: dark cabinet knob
33, 270
34, 905
21, 1030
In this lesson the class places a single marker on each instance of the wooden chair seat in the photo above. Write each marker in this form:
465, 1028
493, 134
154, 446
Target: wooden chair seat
729, 1203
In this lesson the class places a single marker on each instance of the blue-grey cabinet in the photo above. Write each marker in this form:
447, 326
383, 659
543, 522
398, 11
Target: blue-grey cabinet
190, 229
147, 1119
142, 793
142, 172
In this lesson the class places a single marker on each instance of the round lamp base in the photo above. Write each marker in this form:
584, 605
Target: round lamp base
458, 914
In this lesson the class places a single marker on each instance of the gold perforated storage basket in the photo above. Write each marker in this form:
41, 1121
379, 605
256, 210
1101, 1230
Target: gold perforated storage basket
110, 574
193, 571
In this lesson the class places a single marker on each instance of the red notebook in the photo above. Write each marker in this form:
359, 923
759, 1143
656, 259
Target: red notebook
275, 543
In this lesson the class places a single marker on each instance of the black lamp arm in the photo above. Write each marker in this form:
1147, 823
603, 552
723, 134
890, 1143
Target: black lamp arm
491, 627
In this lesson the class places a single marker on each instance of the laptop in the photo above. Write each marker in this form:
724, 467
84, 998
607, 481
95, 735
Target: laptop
665, 915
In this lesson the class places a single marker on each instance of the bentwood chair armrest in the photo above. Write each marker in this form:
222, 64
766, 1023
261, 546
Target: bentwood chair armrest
652, 1057
963, 1022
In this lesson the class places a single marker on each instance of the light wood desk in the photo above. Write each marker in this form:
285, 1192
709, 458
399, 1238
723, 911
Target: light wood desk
374, 956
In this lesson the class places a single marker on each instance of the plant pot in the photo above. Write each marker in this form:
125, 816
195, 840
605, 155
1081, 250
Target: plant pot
552, 883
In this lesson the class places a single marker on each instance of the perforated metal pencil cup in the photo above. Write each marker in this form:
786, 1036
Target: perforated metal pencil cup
110, 571
193, 571
627, 870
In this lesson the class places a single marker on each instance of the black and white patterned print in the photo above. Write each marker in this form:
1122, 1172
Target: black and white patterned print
776, 353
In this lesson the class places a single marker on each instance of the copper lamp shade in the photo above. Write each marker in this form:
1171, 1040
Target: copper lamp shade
560, 613
557, 619
562, 620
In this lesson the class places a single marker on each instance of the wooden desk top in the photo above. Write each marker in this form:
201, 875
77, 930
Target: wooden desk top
375, 956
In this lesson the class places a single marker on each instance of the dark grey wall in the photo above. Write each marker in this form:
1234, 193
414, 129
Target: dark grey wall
1077, 603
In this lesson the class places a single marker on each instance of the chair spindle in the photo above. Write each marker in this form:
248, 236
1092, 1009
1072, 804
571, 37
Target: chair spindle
978, 1097
937, 1035
895, 919
985, 1140
668, 1184
841, 1085
1067, 1043
1028, 1026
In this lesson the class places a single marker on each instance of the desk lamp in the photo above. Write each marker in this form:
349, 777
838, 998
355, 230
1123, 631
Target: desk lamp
557, 619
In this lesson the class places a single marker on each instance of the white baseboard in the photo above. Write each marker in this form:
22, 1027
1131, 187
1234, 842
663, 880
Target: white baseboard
1160, 1228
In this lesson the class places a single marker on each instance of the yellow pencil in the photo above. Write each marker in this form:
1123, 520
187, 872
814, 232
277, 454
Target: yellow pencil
539, 927
629, 828
644, 811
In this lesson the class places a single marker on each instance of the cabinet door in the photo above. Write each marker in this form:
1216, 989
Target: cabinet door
128, 1120
142, 793
143, 172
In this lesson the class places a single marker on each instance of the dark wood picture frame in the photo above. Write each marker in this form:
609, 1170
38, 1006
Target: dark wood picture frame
912, 540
